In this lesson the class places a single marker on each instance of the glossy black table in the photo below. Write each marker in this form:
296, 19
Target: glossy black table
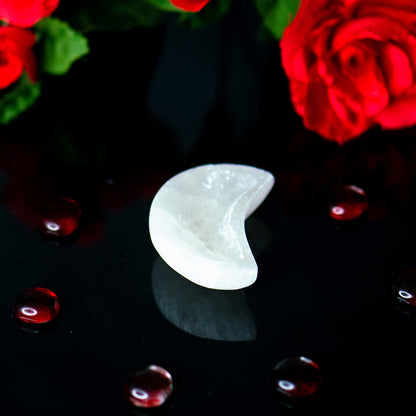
109, 135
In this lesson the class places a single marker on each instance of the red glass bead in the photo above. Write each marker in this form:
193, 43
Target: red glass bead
348, 203
36, 306
296, 378
148, 387
60, 217
404, 288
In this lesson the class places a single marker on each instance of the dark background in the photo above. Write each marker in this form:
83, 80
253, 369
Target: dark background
144, 105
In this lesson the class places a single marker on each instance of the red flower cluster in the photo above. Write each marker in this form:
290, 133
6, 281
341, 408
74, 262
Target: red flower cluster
16, 43
190, 5
352, 65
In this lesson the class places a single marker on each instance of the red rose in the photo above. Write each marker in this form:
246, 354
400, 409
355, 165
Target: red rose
26, 13
351, 65
16, 55
190, 5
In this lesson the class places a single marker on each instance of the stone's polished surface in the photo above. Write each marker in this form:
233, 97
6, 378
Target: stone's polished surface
60, 217
37, 305
348, 203
296, 378
404, 289
196, 223
148, 387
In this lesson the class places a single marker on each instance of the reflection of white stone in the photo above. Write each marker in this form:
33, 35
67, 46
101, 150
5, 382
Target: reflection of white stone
214, 314
52, 226
196, 223
139, 394
286, 385
28, 311
405, 295
338, 210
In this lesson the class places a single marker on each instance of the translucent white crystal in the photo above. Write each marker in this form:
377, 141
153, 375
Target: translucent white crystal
196, 223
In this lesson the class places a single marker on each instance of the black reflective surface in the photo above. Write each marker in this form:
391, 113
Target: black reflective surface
143, 106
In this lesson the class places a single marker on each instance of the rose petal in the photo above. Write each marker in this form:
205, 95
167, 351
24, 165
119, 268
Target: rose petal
298, 59
409, 48
319, 38
11, 69
298, 91
396, 67
341, 107
401, 113
321, 117
16, 44
29, 63
25, 13
349, 104
349, 3
404, 4
299, 68
346, 101
295, 43
20, 38
310, 8
375, 28
359, 65
404, 16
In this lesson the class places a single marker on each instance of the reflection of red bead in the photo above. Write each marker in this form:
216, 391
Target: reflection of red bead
60, 217
148, 387
348, 203
296, 378
36, 306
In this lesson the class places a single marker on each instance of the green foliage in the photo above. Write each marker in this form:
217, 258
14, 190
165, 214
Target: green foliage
60, 46
164, 5
19, 99
213, 12
116, 15
277, 14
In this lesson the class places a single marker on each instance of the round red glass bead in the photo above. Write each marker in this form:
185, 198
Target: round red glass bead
348, 203
148, 387
36, 306
296, 378
60, 217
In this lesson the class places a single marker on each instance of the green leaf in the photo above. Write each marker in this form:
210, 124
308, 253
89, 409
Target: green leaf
165, 5
210, 14
60, 46
19, 99
116, 15
277, 14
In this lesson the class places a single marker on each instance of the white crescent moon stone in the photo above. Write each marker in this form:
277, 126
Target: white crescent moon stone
196, 223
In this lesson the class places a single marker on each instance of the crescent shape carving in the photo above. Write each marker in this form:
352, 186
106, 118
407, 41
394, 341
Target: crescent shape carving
196, 223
